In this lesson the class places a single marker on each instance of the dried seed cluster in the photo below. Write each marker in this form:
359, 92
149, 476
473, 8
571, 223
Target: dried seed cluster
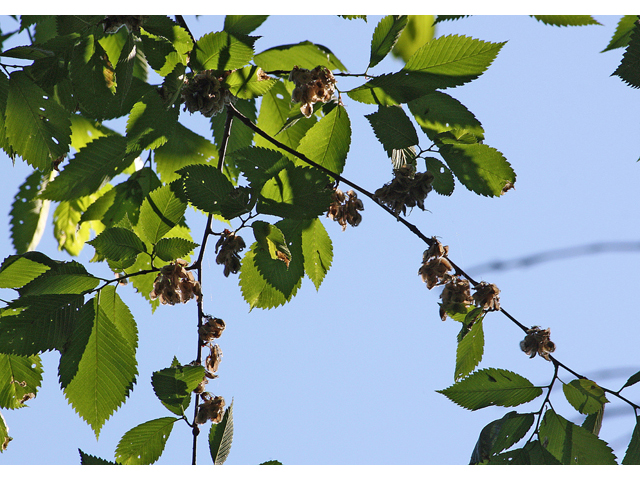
538, 341
211, 408
204, 93
435, 266
456, 295
345, 208
311, 86
227, 249
174, 284
487, 296
209, 331
407, 189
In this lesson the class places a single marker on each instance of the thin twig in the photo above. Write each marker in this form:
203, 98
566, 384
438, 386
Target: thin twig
198, 264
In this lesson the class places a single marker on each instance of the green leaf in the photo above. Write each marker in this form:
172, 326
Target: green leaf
37, 127
584, 395
393, 128
221, 436
480, 168
174, 386
37, 323
438, 112
243, 24
500, 435
622, 34
470, 350
169, 249
442, 18
259, 291
633, 379
259, 164
4, 93
20, 378
165, 43
419, 30
327, 142
271, 239
566, 20
443, 181
632, 455
593, 422
86, 459
491, 386
385, 37
208, 189
295, 192
304, 54
18, 270
222, 51
150, 124
117, 243
442, 63
248, 82
531, 454
84, 131
184, 147
317, 250
105, 366
90, 169
271, 462
161, 210
571, 444
71, 235
275, 106
629, 70
143, 444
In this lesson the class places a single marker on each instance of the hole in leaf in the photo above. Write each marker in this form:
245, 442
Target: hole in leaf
280, 96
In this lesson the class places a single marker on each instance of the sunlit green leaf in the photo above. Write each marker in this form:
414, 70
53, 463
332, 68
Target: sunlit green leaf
222, 51
622, 34
571, 444
317, 250
71, 235
90, 169
18, 270
566, 20
259, 164
385, 37
161, 210
106, 367
117, 243
271, 239
248, 82
470, 350
150, 124
20, 378
169, 249
221, 436
304, 54
243, 24
443, 181
143, 444
174, 386
419, 30
29, 213
37, 127
295, 192
491, 386
479, 167
584, 395
438, 112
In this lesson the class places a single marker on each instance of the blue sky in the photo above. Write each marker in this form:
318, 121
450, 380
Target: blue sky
348, 374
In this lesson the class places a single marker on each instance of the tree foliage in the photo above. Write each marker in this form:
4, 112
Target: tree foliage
274, 162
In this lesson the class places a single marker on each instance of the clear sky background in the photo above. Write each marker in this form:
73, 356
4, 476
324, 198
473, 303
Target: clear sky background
348, 375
